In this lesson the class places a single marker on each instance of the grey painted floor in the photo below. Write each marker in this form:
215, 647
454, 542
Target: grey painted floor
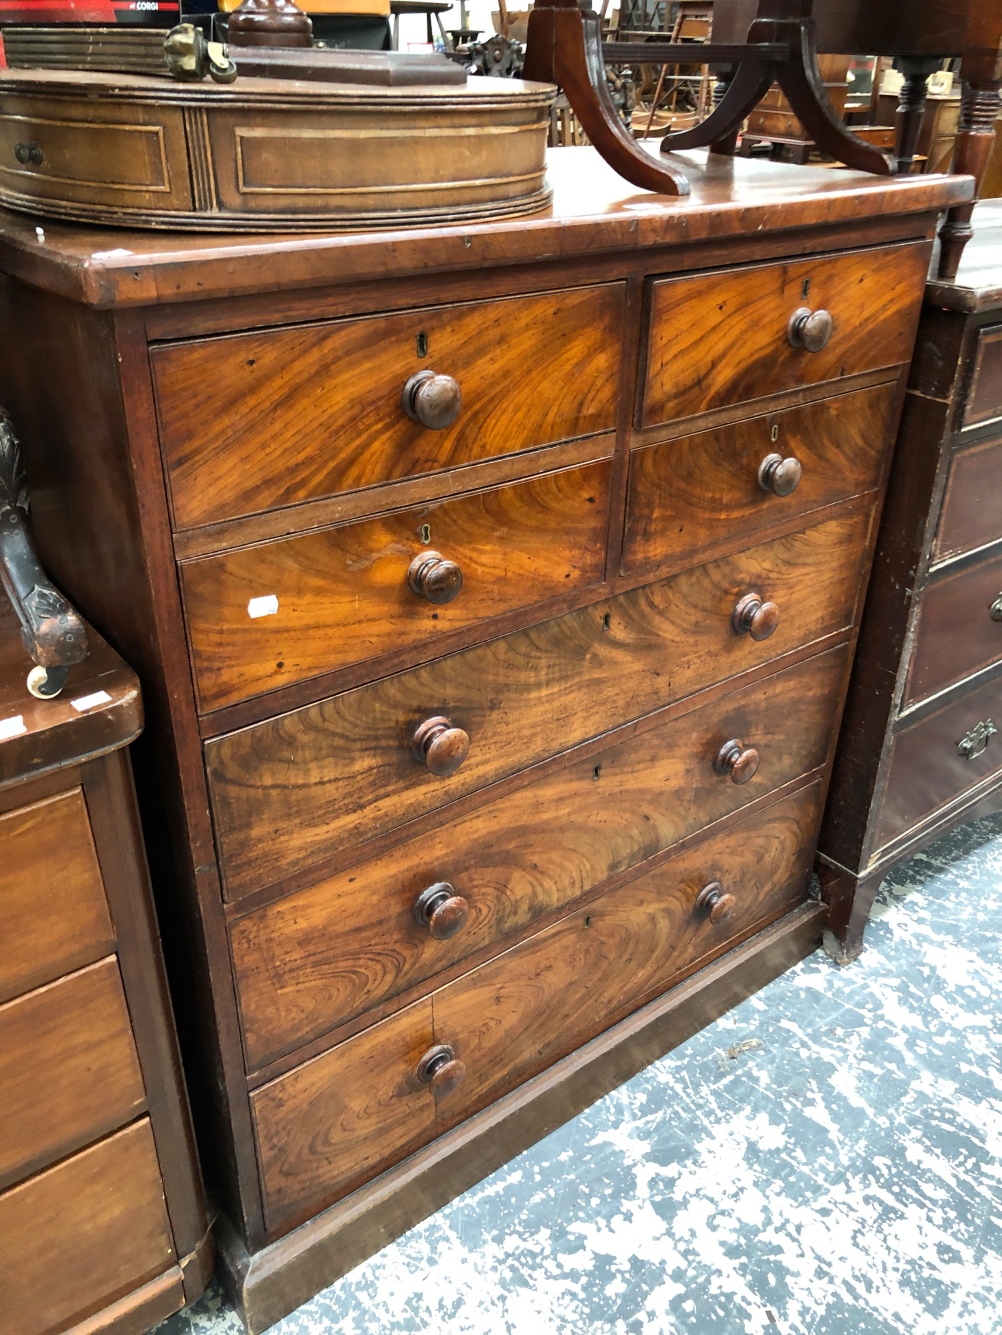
824, 1160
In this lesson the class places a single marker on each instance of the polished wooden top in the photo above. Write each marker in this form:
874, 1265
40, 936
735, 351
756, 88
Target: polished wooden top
978, 285
593, 210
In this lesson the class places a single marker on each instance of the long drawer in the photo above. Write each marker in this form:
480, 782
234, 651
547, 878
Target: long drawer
288, 792
959, 629
279, 612
722, 338
347, 1115
282, 416
972, 502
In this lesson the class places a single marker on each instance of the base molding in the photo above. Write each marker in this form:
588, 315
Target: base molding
138, 1311
269, 1284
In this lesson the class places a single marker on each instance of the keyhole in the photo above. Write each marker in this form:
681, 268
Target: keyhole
597, 771
607, 621
425, 533
587, 919
422, 344
774, 433
805, 290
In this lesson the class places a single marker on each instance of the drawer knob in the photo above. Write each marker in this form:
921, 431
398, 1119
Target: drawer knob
441, 910
712, 903
754, 617
809, 329
434, 578
433, 400
442, 1069
737, 760
440, 746
995, 611
26, 153
779, 475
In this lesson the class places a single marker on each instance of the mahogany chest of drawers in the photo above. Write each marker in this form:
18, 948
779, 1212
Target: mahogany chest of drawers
495, 590
919, 751
103, 1226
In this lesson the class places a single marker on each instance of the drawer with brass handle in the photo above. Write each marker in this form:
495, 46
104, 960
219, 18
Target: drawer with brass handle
958, 629
367, 1103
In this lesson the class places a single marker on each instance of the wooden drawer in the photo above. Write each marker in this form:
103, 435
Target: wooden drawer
971, 516
68, 1068
250, 422
342, 595
721, 338
52, 902
349, 1114
520, 699
955, 633
321, 956
926, 770
696, 492
984, 395
83, 1234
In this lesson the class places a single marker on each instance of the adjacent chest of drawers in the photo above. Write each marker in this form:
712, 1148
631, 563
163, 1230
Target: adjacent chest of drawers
919, 751
103, 1226
496, 590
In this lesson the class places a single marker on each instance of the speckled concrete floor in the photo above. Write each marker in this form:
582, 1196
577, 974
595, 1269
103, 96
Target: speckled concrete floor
824, 1160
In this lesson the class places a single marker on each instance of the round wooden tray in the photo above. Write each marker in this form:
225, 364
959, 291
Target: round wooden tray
265, 155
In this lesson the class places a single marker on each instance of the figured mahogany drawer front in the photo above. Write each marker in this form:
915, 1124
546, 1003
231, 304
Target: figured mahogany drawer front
68, 1068
83, 1234
363, 760
724, 337
689, 494
984, 395
959, 628
363, 1106
250, 422
938, 758
971, 516
319, 957
52, 902
279, 612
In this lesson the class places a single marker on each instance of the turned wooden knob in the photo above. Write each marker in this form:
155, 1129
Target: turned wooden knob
442, 1069
809, 329
779, 475
712, 903
269, 23
441, 910
433, 400
737, 760
440, 746
434, 578
754, 617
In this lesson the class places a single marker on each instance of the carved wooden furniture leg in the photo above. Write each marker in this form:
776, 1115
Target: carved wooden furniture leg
911, 107
979, 110
564, 46
745, 89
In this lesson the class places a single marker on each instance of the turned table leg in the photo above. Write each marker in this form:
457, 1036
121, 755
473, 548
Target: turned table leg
979, 110
911, 108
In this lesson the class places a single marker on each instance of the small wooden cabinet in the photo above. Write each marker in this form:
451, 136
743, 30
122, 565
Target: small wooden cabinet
495, 590
102, 1221
920, 750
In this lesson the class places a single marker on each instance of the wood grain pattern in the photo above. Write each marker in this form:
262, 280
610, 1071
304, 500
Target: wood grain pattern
52, 900
687, 495
319, 957
955, 634
359, 1108
102, 1214
972, 503
286, 791
984, 399
288, 415
721, 338
343, 596
68, 1068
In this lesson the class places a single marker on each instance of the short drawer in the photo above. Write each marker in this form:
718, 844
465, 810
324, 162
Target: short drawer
722, 338
345, 1116
519, 700
83, 1234
282, 416
68, 1068
971, 516
53, 913
938, 758
702, 490
959, 629
321, 956
984, 394
280, 612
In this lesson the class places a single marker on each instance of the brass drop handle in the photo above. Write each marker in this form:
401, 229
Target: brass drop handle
442, 1069
434, 578
440, 746
737, 760
433, 400
754, 617
441, 910
714, 904
778, 475
995, 611
809, 329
